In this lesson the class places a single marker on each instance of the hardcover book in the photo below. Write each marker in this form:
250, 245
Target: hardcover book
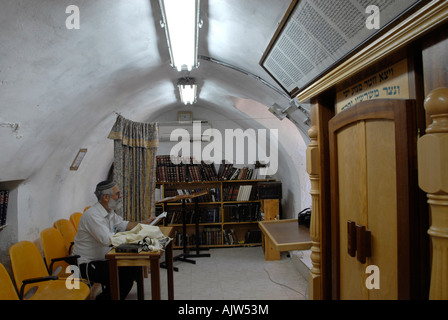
128, 248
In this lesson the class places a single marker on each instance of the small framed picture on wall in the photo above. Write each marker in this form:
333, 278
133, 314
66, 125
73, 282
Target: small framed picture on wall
185, 116
79, 156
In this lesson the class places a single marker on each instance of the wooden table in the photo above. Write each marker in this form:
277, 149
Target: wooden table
143, 259
283, 235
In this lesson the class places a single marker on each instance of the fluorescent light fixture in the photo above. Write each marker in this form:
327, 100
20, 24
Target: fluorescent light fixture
188, 90
181, 23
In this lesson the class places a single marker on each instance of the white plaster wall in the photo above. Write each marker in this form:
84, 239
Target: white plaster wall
292, 148
292, 158
61, 87
54, 192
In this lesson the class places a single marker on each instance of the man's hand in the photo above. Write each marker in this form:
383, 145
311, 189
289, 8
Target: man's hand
149, 220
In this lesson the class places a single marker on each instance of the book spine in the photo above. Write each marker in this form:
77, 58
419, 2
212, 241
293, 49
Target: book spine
4, 207
2, 219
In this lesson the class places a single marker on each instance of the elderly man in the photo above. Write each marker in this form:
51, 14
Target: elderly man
92, 241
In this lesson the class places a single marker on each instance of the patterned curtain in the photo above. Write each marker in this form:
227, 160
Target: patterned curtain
135, 148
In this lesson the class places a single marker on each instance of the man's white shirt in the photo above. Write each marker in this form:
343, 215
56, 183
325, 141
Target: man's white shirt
96, 226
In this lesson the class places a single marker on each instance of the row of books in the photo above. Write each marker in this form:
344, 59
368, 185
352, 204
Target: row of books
230, 237
239, 193
249, 212
214, 236
208, 237
229, 172
230, 193
252, 237
242, 212
205, 216
168, 171
211, 236
4, 197
171, 174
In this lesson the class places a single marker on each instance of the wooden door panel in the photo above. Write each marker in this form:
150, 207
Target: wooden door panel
352, 199
382, 204
369, 151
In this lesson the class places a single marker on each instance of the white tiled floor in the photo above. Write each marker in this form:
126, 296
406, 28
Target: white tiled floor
233, 274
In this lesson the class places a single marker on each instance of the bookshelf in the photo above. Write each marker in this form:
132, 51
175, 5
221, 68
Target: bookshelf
227, 211
223, 222
4, 198
9, 231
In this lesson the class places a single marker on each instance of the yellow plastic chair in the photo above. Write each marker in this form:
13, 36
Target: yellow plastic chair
67, 231
86, 208
7, 290
55, 253
29, 270
74, 219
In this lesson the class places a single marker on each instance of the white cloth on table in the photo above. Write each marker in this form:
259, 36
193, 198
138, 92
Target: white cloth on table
150, 237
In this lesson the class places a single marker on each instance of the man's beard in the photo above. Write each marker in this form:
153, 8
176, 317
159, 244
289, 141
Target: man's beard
115, 204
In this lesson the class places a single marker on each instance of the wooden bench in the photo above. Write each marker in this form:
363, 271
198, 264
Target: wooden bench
283, 235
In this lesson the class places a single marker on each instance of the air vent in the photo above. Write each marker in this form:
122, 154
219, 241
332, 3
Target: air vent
193, 131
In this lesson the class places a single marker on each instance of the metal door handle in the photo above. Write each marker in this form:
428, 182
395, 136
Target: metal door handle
351, 238
363, 243
358, 241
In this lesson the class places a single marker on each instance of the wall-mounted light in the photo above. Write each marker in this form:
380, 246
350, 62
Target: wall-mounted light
188, 90
181, 23
278, 111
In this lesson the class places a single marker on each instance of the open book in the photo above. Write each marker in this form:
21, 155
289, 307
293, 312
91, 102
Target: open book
158, 218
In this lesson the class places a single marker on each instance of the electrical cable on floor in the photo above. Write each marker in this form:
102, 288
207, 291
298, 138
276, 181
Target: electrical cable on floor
284, 285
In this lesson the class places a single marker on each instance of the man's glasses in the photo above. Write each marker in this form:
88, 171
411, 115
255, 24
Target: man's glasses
117, 194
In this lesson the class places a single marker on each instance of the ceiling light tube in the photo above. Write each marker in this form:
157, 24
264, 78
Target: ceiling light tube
188, 90
181, 23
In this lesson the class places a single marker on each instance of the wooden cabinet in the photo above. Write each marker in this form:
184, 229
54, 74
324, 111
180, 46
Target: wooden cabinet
372, 159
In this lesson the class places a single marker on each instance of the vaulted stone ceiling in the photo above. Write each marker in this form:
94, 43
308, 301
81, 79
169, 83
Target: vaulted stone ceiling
60, 89
58, 85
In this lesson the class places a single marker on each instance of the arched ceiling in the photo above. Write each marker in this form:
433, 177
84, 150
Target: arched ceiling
58, 86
